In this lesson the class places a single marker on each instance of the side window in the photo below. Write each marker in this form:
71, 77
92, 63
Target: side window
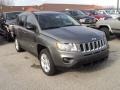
30, 22
21, 20
67, 12
74, 13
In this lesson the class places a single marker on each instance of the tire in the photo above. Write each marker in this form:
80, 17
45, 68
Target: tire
17, 46
107, 32
46, 63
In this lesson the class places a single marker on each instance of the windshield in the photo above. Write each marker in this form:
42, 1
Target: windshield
94, 12
49, 21
78, 13
13, 15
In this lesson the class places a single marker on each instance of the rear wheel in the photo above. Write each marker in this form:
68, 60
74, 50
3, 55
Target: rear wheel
107, 33
46, 63
17, 46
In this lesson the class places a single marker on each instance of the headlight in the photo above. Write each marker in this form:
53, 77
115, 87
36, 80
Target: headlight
67, 47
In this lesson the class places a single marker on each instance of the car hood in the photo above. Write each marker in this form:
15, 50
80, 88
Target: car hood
77, 34
103, 15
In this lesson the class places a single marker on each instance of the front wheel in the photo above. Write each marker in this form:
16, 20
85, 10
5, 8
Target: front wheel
107, 32
46, 62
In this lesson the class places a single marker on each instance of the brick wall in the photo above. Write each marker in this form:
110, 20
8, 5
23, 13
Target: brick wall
49, 7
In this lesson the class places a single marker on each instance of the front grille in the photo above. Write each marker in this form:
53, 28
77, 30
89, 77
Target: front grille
91, 46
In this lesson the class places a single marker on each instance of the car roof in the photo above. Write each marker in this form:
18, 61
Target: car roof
40, 12
46, 12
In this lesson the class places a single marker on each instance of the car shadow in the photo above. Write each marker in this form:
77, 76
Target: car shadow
36, 66
93, 67
118, 38
3, 41
112, 37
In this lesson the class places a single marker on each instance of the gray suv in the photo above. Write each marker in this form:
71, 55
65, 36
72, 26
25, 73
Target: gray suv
58, 40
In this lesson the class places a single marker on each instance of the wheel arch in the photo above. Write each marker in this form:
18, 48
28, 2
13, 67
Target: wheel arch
40, 47
107, 26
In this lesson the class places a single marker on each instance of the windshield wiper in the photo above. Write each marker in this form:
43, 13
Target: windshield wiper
70, 25
50, 28
59, 27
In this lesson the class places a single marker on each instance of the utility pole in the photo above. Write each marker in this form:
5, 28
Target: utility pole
117, 5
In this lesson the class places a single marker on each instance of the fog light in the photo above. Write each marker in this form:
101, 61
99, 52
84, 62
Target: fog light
67, 60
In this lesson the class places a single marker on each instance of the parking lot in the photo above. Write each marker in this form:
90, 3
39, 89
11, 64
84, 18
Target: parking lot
22, 71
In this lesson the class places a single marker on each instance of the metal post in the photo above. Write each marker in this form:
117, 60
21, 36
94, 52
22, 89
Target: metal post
117, 5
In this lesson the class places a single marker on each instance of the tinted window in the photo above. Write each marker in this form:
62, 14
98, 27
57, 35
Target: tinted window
21, 20
11, 16
30, 20
48, 21
77, 13
94, 12
68, 13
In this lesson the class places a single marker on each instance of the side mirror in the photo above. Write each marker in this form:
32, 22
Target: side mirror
31, 27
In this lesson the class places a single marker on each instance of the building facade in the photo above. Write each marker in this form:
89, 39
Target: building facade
50, 7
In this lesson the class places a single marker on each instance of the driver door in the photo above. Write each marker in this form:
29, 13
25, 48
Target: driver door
30, 34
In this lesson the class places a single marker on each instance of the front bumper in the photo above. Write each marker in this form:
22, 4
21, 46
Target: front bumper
70, 59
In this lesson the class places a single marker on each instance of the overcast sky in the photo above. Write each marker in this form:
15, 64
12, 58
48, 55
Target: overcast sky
95, 2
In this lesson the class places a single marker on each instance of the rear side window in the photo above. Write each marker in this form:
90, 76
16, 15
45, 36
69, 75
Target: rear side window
21, 20
74, 13
68, 13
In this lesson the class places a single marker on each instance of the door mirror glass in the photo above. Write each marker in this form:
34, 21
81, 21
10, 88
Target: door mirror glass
31, 27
